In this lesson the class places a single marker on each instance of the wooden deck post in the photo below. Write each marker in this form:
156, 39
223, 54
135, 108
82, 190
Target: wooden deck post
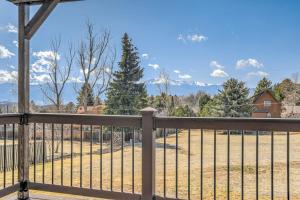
23, 103
148, 154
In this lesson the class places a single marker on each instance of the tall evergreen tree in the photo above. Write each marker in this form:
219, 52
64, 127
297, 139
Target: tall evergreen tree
90, 95
233, 100
126, 93
263, 84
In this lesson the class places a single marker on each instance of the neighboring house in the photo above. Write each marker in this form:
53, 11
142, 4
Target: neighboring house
91, 110
266, 105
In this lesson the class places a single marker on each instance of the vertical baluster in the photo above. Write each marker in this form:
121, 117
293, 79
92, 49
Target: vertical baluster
242, 163
13, 155
91, 157
62, 155
215, 164
257, 164
101, 164
176, 166
34, 152
201, 166
228, 164
272, 165
164, 163
71, 175
5, 158
111, 157
189, 164
133, 140
80, 155
43, 143
122, 161
52, 153
288, 165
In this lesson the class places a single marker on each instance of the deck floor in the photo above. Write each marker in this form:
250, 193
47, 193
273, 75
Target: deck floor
38, 195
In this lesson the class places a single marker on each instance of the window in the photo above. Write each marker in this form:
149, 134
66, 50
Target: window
267, 103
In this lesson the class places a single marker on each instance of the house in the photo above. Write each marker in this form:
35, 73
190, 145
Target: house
91, 110
266, 105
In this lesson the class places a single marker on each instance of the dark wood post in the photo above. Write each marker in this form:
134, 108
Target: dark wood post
23, 103
148, 153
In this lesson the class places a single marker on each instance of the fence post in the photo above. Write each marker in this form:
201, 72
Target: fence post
148, 154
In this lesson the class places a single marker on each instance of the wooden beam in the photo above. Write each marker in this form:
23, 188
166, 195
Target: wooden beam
36, 2
38, 19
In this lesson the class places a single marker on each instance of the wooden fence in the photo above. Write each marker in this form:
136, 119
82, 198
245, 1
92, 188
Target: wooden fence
12, 155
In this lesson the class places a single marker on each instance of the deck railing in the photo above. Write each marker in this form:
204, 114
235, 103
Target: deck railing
120, 157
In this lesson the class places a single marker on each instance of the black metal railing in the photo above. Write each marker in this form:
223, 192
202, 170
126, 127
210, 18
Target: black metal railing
8, 153
118, 157
79, 153
240, 130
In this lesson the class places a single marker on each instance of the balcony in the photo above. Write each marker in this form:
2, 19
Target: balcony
139, 157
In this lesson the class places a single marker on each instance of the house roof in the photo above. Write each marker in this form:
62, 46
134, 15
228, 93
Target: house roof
256, 97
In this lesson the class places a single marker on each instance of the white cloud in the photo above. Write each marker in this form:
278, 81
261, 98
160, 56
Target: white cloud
11, 28
39, 78
181, 38
258, 73
44, 60
154, 66
184, 76
176, 71
12, 67
145, 56
219, 73
15, 42
216, 64
75, 79
8, 76
46, 54
5, 53
197, 38
248, 62
192, 38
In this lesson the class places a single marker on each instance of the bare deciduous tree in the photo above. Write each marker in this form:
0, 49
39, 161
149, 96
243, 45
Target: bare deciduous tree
96, 59
58, 74
163, 86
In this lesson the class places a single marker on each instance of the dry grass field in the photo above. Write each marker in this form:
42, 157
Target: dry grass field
280, 168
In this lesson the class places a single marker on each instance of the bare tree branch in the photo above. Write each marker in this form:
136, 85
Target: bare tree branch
59, 75
96, 60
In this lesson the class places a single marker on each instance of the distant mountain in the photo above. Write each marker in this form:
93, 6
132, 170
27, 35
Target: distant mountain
185, 89
9, 91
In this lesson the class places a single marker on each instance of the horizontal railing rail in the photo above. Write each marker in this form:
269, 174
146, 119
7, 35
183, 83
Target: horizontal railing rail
260, 124
9, 118
109, 120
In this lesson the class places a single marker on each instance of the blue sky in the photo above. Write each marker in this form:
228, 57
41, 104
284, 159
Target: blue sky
194, 41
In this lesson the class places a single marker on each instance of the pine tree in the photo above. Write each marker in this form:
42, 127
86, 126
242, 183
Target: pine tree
90, 95
263, 84
233, 100
126, 93
203, 100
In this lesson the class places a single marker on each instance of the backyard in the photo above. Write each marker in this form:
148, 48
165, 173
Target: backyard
280, 180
